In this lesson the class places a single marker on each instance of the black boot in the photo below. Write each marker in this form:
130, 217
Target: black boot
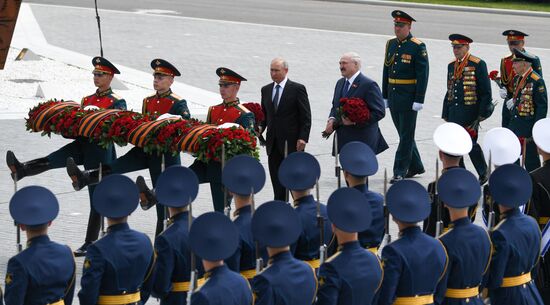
30, 168
84, 178
146, 195
82, 250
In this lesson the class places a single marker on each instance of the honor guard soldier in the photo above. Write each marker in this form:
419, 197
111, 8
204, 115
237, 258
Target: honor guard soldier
359, 162
352, 276
229, 111
213, 237
299, 173
500, 146
163, 103
468, 246
516, 240
118, 267
84, 152
414, 264
404, 83
453, 142
468, 99
285, 280
539, 205
515, 40
244, 176
529, 103
177, 187
44, 273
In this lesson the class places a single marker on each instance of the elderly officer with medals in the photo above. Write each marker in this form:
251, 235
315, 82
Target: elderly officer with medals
414, 264
529, 103
516, 240
404, 82
468, 99
359, 162
539, 205
213, 238
285, 280
44, 273
352, 276
453, 142
515, 40
177, 187
468, 246
164, 103
299, 172
84, 152
118, 267
244, 176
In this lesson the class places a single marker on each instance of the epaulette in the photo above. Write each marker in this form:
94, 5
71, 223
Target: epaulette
330, 259
508, 57
175, 96
150, 96
243, 108
499, 224
474, 59
445, 233
416, 40
535, 76
116, 96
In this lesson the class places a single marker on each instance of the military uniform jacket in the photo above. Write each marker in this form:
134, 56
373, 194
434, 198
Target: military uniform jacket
516, 241
507, 73
469, 249
173, 263
119, 263
468, 94
352, 276
531, 103
230, 112
43, 273
285, 281
372, 237
104, 100
414, 265
167, 102
245, 255
307, 246
223, 287
405, 75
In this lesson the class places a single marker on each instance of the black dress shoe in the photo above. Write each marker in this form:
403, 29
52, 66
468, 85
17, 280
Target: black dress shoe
82, 250
395, 179
411, 174
146, 195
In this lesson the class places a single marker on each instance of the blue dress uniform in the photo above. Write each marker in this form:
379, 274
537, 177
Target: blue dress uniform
177, 187
404, 82
530, 105
244, 175
468, 99
214, 237
352, 275
507, 73
372, 237
516, 240
285, 280
414, 264
118, 267
44, 273
468, 246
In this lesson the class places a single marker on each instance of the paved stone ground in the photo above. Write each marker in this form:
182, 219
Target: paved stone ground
199, 46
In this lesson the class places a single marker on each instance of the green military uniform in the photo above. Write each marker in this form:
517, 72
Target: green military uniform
530, 105
404, 82
468, 101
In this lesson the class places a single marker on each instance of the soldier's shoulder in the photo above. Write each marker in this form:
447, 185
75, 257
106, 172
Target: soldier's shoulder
535, 76
475, 59
242, 108
151, 96
507, 57
417, 41
176, 97
116, 97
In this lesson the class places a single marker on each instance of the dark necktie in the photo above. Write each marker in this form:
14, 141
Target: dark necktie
346, 88
276, 97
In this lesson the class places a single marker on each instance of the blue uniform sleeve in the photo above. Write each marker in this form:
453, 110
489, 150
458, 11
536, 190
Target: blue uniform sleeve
263, 293
119, 104
392, 272
147, 285
422, 68
16, 283
540, 98
329, 285
246, 120
162, 275
484, 91
199, 299
499, 261
68, 299
441, 288
92, 274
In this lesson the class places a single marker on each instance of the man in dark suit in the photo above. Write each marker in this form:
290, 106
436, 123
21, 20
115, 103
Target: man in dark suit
287, 118
355, 84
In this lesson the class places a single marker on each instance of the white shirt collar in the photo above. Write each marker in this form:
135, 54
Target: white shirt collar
353, 77
282, 84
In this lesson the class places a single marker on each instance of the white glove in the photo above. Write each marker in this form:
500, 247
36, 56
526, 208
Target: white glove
228, 125
510, 104
386, 103
91, 107
417, 106
169, 116
503, 93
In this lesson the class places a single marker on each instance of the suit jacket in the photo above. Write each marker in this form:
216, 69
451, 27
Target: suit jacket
368, 133
291, 121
